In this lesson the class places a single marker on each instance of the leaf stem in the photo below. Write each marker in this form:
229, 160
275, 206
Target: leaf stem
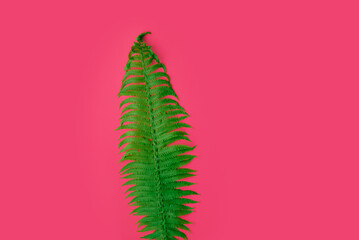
154, 142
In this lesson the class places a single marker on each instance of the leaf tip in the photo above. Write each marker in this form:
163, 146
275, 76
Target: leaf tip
140, 37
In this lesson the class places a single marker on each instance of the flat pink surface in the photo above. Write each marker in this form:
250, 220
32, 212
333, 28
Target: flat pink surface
271, 87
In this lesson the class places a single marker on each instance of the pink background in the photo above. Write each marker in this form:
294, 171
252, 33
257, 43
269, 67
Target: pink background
271, 87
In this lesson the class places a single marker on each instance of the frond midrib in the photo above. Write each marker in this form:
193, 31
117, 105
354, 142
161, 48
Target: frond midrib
154, 146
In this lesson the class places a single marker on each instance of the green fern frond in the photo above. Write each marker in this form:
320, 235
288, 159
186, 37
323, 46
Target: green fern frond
152, 119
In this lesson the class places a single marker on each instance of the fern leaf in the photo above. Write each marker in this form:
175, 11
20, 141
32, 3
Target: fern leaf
152, 118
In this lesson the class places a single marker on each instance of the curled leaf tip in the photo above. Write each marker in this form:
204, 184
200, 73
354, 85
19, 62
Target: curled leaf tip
140, 37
